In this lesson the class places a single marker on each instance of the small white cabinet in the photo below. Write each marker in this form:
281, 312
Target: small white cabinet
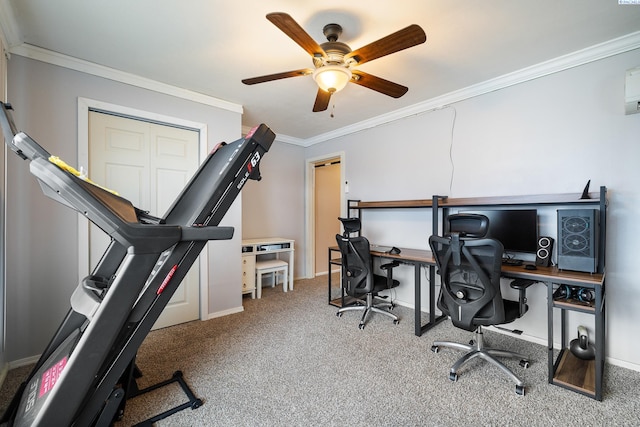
249, 274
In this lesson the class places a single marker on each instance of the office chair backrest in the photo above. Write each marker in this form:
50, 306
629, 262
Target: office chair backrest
470, 279
356, 264
468, 224
350, 225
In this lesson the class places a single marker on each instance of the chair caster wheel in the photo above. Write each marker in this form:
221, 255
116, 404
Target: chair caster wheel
395, 322
524, 364
361, 326
520, 390
453, 376
471, 342
435, 348
339, 314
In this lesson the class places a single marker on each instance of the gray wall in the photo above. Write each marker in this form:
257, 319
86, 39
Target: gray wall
549, 135
274, 206
42, 258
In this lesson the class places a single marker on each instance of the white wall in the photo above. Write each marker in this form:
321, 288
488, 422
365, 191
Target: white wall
549, 135
42, 258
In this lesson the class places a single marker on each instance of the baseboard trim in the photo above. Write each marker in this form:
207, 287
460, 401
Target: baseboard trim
225, 312
23, 362
623, 364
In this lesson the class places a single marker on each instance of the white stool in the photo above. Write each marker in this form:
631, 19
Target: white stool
273, 266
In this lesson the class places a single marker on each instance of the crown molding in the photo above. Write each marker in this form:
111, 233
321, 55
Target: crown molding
279, 137
50, 57
594, 53
9, 32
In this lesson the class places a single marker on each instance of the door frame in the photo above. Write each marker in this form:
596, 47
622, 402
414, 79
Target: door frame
84, 106
310, 227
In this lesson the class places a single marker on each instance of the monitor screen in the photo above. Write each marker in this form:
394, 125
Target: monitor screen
517, 229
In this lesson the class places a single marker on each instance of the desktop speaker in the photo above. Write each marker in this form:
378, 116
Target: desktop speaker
545, 249
578, 240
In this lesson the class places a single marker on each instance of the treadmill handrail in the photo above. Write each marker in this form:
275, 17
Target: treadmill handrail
9, 131
211, 232
143, 238
74, 192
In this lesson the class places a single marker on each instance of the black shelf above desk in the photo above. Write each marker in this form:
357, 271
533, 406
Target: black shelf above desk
497, 201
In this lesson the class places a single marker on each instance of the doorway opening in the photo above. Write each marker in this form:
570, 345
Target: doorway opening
325, 203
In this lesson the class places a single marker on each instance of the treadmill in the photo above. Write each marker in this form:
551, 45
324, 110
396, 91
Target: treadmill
86, 372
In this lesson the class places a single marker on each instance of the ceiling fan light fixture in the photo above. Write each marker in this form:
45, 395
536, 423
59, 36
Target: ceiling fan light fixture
332, 78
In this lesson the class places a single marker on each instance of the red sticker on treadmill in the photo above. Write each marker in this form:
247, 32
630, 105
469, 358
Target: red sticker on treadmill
50, 377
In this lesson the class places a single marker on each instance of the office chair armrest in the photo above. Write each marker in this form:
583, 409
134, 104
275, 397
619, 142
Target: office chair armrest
390, 265
521, 285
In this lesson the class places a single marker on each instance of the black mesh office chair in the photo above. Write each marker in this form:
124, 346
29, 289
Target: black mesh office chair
470, 268
358, 279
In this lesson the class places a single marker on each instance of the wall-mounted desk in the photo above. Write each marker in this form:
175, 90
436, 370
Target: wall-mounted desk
268, 247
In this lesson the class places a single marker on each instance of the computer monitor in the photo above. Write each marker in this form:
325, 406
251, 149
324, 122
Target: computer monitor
517, 229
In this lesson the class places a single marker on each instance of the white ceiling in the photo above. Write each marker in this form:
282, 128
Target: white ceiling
208, 46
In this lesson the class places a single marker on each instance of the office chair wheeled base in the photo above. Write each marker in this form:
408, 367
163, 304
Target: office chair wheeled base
370, 307
477, 349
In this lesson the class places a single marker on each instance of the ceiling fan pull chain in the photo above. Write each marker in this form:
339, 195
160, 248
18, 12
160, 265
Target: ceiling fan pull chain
333, 108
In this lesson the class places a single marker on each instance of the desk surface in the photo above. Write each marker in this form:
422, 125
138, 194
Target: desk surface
554, 275
416, 255
421, 258
541, 274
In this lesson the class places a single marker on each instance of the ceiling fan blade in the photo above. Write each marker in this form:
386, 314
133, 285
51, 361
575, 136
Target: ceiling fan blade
277, 76
322, 101
378, 84
400, 40
291, 28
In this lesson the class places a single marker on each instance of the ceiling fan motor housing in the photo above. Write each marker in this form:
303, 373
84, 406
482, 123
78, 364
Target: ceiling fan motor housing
332, 73
332, 32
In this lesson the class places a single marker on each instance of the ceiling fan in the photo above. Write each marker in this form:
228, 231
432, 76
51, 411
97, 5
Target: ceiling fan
334, 61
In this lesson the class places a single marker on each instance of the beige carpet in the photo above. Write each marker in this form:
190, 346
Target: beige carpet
288, 360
